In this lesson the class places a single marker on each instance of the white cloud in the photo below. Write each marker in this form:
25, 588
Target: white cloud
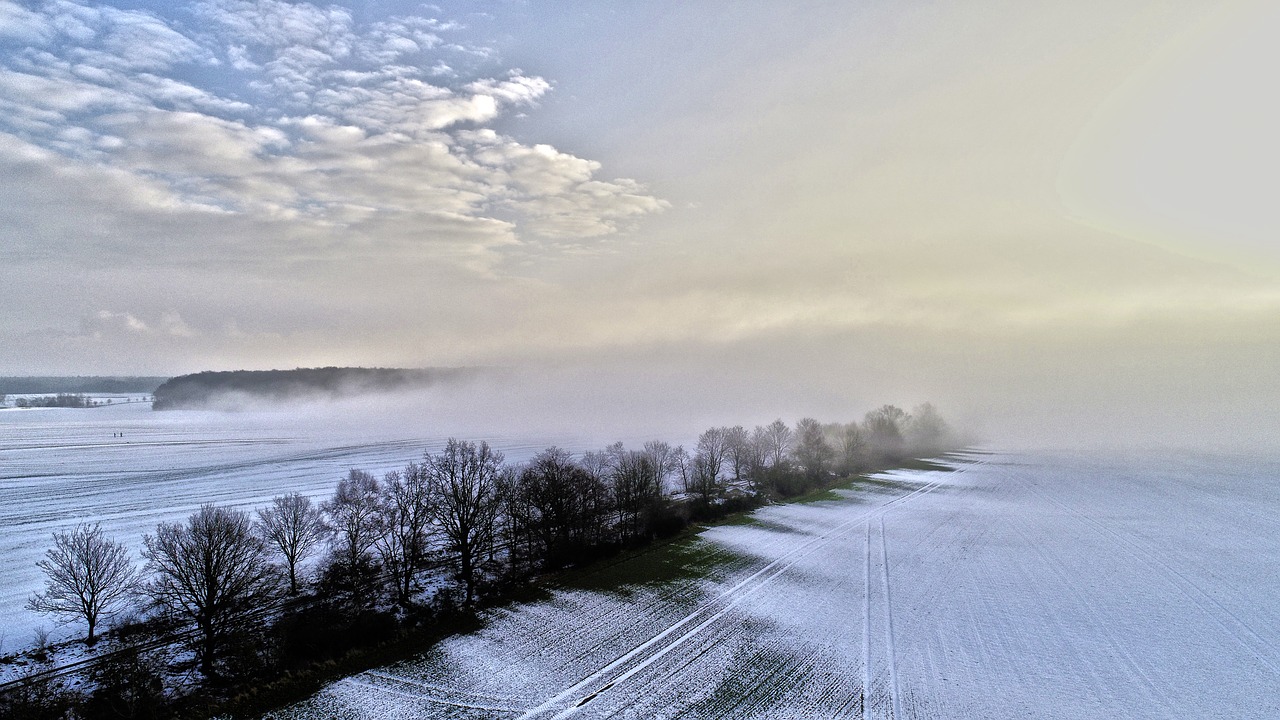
276, 24
106, 322
23, 25
275, 128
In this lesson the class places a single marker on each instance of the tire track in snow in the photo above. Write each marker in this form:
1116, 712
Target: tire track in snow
888, 620
1188, 588
866, 624
730, 597
354, 680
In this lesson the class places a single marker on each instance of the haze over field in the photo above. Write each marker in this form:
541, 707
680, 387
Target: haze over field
1053, 220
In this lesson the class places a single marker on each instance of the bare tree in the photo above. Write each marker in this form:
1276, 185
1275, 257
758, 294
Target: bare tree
353, 513
777, 439
406, 525
811, 449
293, 526
664, 460
87, 576
713, 447
213, 570
703, 478
464, 480
681, 461
739, 450
598, 463
853, 445
635, 487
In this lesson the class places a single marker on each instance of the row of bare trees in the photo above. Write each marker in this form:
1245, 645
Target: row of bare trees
462, 508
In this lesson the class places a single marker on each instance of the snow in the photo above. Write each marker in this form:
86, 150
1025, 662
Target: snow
61, 466
1048, 586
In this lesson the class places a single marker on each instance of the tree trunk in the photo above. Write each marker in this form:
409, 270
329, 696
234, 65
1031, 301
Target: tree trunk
465, 552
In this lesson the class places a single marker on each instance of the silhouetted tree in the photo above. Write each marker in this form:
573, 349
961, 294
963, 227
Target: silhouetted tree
406, 512
354, 514
551, 505
212, 570
292, 526
703, 477
680, 460
738, 442
635, 487
665, 462
464, 481
87, 576
713, 448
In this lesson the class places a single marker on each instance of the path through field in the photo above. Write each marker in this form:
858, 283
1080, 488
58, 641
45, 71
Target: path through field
1013, 587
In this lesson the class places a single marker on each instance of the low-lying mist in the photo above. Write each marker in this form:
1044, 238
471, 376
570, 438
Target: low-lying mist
1009, 392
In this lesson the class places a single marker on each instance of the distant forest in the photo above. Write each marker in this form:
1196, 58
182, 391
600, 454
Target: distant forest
213, 389
79, 384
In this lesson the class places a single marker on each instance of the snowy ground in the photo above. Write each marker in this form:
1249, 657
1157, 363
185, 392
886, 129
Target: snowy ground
130, 468
1016, 587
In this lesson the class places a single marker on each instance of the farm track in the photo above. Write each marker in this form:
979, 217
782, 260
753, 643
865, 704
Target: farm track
1058, 589
613, 676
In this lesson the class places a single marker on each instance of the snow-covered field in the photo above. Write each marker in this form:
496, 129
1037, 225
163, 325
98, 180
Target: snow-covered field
130, 468
1046, 586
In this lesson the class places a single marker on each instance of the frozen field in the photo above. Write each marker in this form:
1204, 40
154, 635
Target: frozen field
60, 466
1015, 587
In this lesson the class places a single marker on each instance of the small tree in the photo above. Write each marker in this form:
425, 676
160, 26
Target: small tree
213, 570
293, 527
87, 576
406, 526
354, 515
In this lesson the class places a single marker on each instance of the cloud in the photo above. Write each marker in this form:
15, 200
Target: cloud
106, 322
275, 126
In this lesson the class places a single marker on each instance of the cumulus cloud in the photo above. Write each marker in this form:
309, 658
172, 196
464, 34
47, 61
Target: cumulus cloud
281, 112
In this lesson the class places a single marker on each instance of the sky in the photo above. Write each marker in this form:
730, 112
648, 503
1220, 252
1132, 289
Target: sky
1047, 218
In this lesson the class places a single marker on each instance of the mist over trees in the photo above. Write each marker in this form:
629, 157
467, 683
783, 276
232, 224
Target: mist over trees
228, 389
453, 530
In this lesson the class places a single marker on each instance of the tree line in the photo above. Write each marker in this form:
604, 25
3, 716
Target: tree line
61, 400
297, 582
213, 388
